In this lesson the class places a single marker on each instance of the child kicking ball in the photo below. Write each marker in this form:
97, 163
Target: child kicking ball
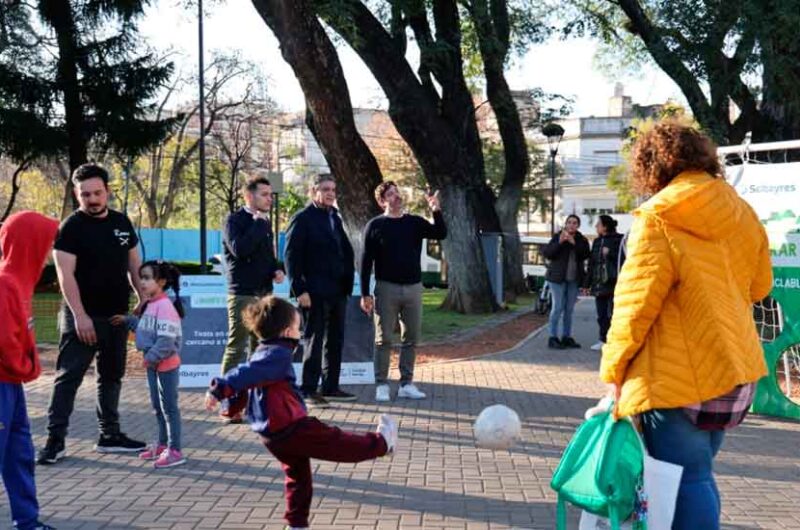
276, 411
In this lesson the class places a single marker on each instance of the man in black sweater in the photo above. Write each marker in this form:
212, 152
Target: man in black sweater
320, 263
251, 268
393, 241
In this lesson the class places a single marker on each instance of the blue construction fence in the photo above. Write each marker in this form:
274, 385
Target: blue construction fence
182, 245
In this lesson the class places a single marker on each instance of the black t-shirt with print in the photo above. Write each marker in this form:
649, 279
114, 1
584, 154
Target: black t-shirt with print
101, 247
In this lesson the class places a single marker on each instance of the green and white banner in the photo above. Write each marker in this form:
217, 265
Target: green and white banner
773, 190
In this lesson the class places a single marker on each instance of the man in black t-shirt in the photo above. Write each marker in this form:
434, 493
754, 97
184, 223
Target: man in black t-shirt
97, 261
393, 242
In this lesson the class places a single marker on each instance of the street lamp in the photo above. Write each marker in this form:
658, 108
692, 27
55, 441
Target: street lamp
554, 132
202, 142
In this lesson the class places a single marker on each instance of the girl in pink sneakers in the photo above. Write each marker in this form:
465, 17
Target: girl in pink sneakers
158, 337
276, 411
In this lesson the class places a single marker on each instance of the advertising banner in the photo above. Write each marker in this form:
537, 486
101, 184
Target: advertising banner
205, 333
773, 190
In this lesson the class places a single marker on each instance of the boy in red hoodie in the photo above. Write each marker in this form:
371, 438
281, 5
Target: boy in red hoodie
26, 239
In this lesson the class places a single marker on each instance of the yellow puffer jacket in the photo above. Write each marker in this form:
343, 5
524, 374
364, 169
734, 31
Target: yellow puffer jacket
683, 329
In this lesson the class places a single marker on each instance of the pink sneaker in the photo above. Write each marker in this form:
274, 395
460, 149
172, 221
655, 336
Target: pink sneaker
152, 452
169, 458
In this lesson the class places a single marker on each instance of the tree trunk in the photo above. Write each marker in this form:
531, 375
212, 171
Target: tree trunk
313, 58
462, 248
15, 186
59, 15
437, 129
492, 27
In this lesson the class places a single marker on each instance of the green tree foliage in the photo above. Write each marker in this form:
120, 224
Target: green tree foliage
720, 54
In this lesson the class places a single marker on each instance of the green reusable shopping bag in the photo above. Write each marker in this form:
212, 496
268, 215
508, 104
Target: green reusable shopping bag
600, 470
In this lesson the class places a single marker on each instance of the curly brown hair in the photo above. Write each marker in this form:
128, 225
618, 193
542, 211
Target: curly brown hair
269, 316
382, 188
669, 148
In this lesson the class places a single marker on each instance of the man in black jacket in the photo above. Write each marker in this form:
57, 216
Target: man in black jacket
251, 268
320, 263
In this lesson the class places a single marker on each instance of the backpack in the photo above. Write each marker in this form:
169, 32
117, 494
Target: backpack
601, 470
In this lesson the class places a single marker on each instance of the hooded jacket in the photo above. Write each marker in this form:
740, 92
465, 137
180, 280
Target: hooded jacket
683, 329
266, 384
25, 240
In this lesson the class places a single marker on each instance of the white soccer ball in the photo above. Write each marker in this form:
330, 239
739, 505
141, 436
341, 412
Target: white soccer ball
497, 427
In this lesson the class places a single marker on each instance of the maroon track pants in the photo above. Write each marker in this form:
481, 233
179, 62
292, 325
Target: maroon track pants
313, 439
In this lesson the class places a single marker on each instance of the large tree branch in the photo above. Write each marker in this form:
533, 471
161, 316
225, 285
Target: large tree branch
672, 65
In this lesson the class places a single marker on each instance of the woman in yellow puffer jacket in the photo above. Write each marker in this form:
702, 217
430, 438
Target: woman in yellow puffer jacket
683, 351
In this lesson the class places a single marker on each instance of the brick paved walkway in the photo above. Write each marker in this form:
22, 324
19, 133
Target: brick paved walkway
438, 479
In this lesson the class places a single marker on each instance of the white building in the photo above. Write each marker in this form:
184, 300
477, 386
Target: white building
589, 149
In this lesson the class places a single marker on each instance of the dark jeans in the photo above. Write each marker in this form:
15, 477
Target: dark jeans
671, 437
605, 308
314, 439
324, 328
74, 358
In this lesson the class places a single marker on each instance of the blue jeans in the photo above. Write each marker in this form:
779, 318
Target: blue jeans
164, 398
670, 436
564, 297
17, 457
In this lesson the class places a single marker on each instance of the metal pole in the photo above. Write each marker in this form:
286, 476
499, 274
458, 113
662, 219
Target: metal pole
127, 185
202, 143
552, 192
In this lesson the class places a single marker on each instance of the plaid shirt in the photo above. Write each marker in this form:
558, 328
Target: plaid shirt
723, 412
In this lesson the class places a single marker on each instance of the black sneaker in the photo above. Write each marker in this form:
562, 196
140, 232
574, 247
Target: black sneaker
339, 395
42, 526
554, 344
569, 342
52, 452
315, 401
118, 443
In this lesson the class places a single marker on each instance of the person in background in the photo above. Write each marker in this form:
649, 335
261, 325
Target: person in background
97, 261
566, 253
602, 273
393, 242
683, 352
25, 241
321, 265
158, 337
251, 267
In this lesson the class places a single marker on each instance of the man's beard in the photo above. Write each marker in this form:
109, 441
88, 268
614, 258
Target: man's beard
97, 214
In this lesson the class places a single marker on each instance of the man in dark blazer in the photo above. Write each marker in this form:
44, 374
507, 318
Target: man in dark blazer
320, 263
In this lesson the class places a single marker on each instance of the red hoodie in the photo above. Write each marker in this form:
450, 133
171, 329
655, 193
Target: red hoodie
25, 240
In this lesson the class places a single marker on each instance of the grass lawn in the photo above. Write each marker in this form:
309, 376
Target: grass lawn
45, 312
438, 323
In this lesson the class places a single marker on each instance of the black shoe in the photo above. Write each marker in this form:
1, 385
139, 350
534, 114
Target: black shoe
118, 443
42, 526
554, 344
339, 395
569, 342
315, 401
52, 452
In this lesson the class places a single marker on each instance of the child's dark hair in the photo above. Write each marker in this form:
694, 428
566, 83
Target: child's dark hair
164, 270
269, 316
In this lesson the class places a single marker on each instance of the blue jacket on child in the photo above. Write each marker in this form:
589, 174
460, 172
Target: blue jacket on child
266, 384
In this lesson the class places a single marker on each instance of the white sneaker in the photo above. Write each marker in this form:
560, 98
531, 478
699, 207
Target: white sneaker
410, 391
387, 428
382, 393
598, 346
